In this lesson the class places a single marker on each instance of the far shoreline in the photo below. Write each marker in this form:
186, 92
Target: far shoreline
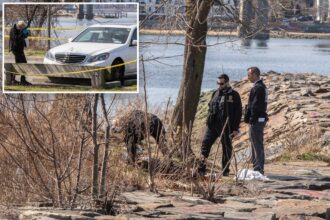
273, 34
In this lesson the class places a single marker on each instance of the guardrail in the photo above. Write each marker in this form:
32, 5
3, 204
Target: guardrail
69, 74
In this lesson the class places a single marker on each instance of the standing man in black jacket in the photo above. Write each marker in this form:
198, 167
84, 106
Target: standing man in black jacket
17, 43
256, 116
225, 103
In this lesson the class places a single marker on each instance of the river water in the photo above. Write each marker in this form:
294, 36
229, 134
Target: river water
164, 57
227, 55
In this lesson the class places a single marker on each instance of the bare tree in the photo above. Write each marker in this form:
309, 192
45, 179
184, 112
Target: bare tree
151, 181
44, 138
193, 68
95, 183
106, 144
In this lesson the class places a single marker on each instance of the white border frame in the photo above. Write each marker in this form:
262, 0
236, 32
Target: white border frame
71, 3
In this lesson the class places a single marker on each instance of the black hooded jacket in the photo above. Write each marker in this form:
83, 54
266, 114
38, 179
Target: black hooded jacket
16, 40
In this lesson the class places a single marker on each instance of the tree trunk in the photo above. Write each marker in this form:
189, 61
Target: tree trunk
193, 68
106, 145
151, 182
95, 183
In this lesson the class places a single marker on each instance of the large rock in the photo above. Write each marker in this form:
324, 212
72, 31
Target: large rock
319, 185
300, 207
140, 197
250, 215
52, 215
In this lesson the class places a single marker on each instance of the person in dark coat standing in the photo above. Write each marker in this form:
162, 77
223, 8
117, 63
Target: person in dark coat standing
17, 36
256, 116
134, 129
225, 103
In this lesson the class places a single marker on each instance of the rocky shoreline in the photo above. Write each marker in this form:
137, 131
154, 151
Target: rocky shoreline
299, 113
295, 190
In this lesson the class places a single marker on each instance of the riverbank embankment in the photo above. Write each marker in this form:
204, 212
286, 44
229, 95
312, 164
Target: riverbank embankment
273, 34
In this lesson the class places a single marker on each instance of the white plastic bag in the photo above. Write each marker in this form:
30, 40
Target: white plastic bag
246, 174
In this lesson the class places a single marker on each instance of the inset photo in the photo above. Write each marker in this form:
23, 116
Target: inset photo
70, 47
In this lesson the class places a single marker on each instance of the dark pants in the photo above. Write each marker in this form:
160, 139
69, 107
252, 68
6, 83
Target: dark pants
20, 58
210, 137
256, 134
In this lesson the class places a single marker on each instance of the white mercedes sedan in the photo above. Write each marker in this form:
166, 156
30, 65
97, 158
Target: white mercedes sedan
99, 46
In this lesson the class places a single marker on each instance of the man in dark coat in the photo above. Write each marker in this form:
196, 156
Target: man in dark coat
134, 128
225, 103
256, 116
17, 36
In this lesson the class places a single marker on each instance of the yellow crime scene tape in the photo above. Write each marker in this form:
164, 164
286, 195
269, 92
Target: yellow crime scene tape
76, 72
42, 38
54, 29
44, 29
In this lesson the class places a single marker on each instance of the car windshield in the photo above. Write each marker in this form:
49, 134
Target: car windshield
104, 35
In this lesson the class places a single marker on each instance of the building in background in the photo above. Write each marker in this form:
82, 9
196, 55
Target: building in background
323, 10
318, 10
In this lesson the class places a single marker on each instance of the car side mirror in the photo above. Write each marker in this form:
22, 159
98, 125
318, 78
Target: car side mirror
70, 39
134, 43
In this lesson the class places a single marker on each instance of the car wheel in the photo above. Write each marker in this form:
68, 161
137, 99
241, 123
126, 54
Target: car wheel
117, 73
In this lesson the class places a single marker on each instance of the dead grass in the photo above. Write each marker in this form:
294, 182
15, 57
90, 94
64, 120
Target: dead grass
168, 174
303, 145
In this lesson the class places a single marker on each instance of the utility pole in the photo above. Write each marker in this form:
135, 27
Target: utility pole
245, 18
49, 26
262, 20
247, 29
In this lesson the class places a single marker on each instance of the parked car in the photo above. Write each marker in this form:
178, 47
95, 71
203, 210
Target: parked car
305, 18
99, 46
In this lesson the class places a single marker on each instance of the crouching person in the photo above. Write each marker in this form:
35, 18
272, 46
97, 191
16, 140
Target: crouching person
134, 129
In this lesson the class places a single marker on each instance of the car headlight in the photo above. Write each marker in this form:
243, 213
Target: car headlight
50, 56
100, 57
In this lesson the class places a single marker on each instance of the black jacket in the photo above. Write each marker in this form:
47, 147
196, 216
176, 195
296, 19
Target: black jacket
135, 127
222, 104
257, 105
16, 40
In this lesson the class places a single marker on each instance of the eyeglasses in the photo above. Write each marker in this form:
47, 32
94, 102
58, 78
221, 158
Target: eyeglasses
221, 84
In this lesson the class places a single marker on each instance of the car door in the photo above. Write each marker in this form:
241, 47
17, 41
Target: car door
132, 54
